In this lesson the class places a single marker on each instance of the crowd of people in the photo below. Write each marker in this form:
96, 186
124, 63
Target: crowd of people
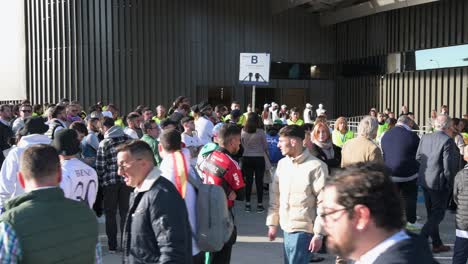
353, 194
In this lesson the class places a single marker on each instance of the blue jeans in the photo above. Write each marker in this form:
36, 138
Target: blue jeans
296, 247
460, 252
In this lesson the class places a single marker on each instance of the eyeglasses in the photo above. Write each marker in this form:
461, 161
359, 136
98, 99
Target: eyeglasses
124, 167
324, 215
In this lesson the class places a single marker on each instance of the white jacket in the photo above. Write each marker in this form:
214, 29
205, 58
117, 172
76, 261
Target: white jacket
79, 181
9, 185
204, 128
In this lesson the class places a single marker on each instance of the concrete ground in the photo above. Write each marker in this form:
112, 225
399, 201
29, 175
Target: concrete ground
253, 245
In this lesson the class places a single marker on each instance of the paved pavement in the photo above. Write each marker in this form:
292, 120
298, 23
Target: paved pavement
253, 245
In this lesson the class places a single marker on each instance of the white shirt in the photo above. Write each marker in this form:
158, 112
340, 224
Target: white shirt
168, 172
204, 128
191, 141
370, 256
79, 181
131, 133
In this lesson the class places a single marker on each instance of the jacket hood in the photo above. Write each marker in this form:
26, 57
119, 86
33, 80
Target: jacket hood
113, 132
33, 140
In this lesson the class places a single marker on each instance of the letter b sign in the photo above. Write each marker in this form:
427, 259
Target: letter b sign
254, 60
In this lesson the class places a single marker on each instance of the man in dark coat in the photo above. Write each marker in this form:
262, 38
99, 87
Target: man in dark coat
438, 157
157, 229
5, 130
399, 146
362, 214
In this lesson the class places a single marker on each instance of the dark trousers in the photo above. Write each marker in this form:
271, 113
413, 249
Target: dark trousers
199, 258
251, 165
436, 204
460, 251
224, 255
409, 194
115, 195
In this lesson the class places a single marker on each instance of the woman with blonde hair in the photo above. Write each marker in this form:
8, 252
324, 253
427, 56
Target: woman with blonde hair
341, 133
323, 147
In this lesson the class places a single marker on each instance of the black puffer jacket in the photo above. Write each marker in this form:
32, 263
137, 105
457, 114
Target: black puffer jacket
157, 229
460, 196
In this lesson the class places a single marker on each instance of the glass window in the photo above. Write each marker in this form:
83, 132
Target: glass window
454, 56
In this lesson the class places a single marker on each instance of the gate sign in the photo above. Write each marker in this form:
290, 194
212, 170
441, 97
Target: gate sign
254, 68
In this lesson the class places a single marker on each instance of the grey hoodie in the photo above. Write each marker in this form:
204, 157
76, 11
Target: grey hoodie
114, 132
106, 158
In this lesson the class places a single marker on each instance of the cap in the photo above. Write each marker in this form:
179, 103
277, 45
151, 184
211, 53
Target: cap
34, 125
284, 106
204, 106
66, 142
266, 105
308, 105
278, 122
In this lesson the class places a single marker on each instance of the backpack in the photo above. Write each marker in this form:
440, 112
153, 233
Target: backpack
214, 221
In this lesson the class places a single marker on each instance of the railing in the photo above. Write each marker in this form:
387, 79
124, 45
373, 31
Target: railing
353, 123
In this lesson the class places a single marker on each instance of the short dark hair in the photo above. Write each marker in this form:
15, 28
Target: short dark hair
226, 132
132, 116
137, 148
292, 131
186, 119
26, 105
108, 122
113, 107
37, 108
148, 124
369, 184
3, 107
167, 122
56, 110
79, 127
39, 162
171, 140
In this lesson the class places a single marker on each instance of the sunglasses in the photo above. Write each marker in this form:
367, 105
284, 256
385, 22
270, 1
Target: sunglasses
26, 111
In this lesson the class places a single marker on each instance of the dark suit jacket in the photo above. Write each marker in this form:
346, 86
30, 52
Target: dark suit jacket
5, 134
438, 157
409, 251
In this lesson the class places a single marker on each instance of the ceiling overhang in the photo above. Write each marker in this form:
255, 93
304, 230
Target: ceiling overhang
337, 11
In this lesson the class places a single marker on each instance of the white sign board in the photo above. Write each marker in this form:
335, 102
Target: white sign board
254, 68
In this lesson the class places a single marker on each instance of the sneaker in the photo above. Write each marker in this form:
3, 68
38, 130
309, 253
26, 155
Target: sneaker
414, 227
247, 207
260, 208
